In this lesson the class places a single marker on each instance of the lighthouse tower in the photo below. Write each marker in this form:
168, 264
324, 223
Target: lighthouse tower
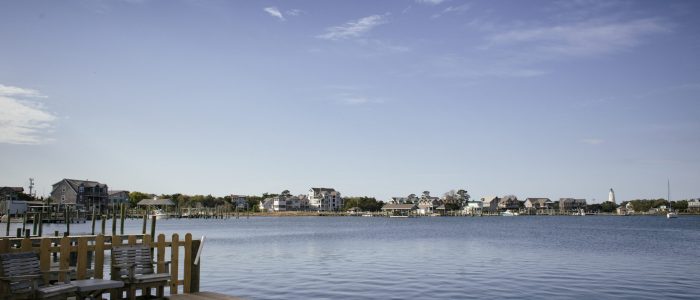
611, 196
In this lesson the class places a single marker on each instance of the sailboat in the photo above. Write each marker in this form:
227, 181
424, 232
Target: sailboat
671, 214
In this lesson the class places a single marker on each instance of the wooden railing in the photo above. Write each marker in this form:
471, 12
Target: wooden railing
85, 255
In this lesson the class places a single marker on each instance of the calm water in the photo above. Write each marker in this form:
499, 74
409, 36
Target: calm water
448, 258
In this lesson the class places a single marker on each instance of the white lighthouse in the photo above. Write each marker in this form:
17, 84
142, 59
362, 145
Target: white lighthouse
611, 196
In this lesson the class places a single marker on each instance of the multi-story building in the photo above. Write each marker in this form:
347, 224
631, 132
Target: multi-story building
118, 197
325, 199
80, 193
490, 203
538, 203
567, 205
508, 202
694, 205
239, 201
405, 200
9, 200
428, 204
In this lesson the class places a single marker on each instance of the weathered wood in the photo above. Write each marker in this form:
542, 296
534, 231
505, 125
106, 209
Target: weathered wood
99, 256
134, 265
188, 263
26, 245
174, 258
45, 258
64, 258
132, 240
194, 270
160, 256
4, 246
81, 266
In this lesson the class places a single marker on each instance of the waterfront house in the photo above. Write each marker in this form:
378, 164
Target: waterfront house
538, 205
399, 209
569, 205
508, 202
118, 197
473, 207
9, 200
325, 199
266, 204
297, 203
239, 201
428, 204
490, 203
694, 205
622, 210
80, 194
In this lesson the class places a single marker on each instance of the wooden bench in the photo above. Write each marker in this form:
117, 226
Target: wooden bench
134, 265
21, 278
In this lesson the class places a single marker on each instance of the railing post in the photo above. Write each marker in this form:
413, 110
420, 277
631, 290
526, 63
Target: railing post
189, 259
194, 269
174, 258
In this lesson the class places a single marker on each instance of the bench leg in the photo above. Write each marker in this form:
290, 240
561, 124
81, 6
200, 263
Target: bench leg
132, 292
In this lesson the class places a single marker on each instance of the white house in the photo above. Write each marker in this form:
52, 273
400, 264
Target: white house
325, 199
427, 204
473, 207
694, 204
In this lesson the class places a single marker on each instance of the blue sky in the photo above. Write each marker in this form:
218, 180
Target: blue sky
377, 98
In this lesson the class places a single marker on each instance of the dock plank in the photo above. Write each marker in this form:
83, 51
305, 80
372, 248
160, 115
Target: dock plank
203, 296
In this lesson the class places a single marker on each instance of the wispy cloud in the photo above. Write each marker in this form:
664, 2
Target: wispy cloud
294, 12
592, 141
452, 10
578, 39
358, 100
273, 11
23, 121
430, 2
353, 28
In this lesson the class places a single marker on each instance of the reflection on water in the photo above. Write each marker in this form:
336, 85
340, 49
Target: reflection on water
445, 258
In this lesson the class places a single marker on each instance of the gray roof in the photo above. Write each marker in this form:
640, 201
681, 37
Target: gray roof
398, 206
147, 202
75, 183
15, 189
318, 190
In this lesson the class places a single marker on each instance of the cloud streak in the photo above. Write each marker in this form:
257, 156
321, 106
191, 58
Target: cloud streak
23, 121
579, 39
353, 29
273, 11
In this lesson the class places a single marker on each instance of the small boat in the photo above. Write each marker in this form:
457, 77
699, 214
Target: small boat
160, 214
508, 213
368, 215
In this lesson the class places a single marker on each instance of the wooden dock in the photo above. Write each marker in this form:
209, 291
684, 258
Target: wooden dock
203, 296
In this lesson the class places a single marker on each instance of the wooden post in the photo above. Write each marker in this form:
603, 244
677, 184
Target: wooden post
103, 218
114, 223
67, 217
65, 258
34, 228
93, 220
7, 231
19, 232
160, 254
153, 225
189, 258
145, 221
123, 216
174, 258
194, 269
45, 257
24, 222
41, 224
99, 255
81, 265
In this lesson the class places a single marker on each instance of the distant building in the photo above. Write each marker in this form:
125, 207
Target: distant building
428, 204
239, 201
694, 205
473, 207
490, 203
325, 199
118, 197
538, 204
611, 196
396, 209
567, 205
509, 202
80, 193
9, 200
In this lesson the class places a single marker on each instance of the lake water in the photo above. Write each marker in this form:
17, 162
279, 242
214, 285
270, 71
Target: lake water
447, 258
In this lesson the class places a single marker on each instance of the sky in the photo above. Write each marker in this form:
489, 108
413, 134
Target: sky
373, 98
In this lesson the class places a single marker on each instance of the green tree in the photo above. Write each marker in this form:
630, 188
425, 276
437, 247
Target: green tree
135, 197
608, 207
